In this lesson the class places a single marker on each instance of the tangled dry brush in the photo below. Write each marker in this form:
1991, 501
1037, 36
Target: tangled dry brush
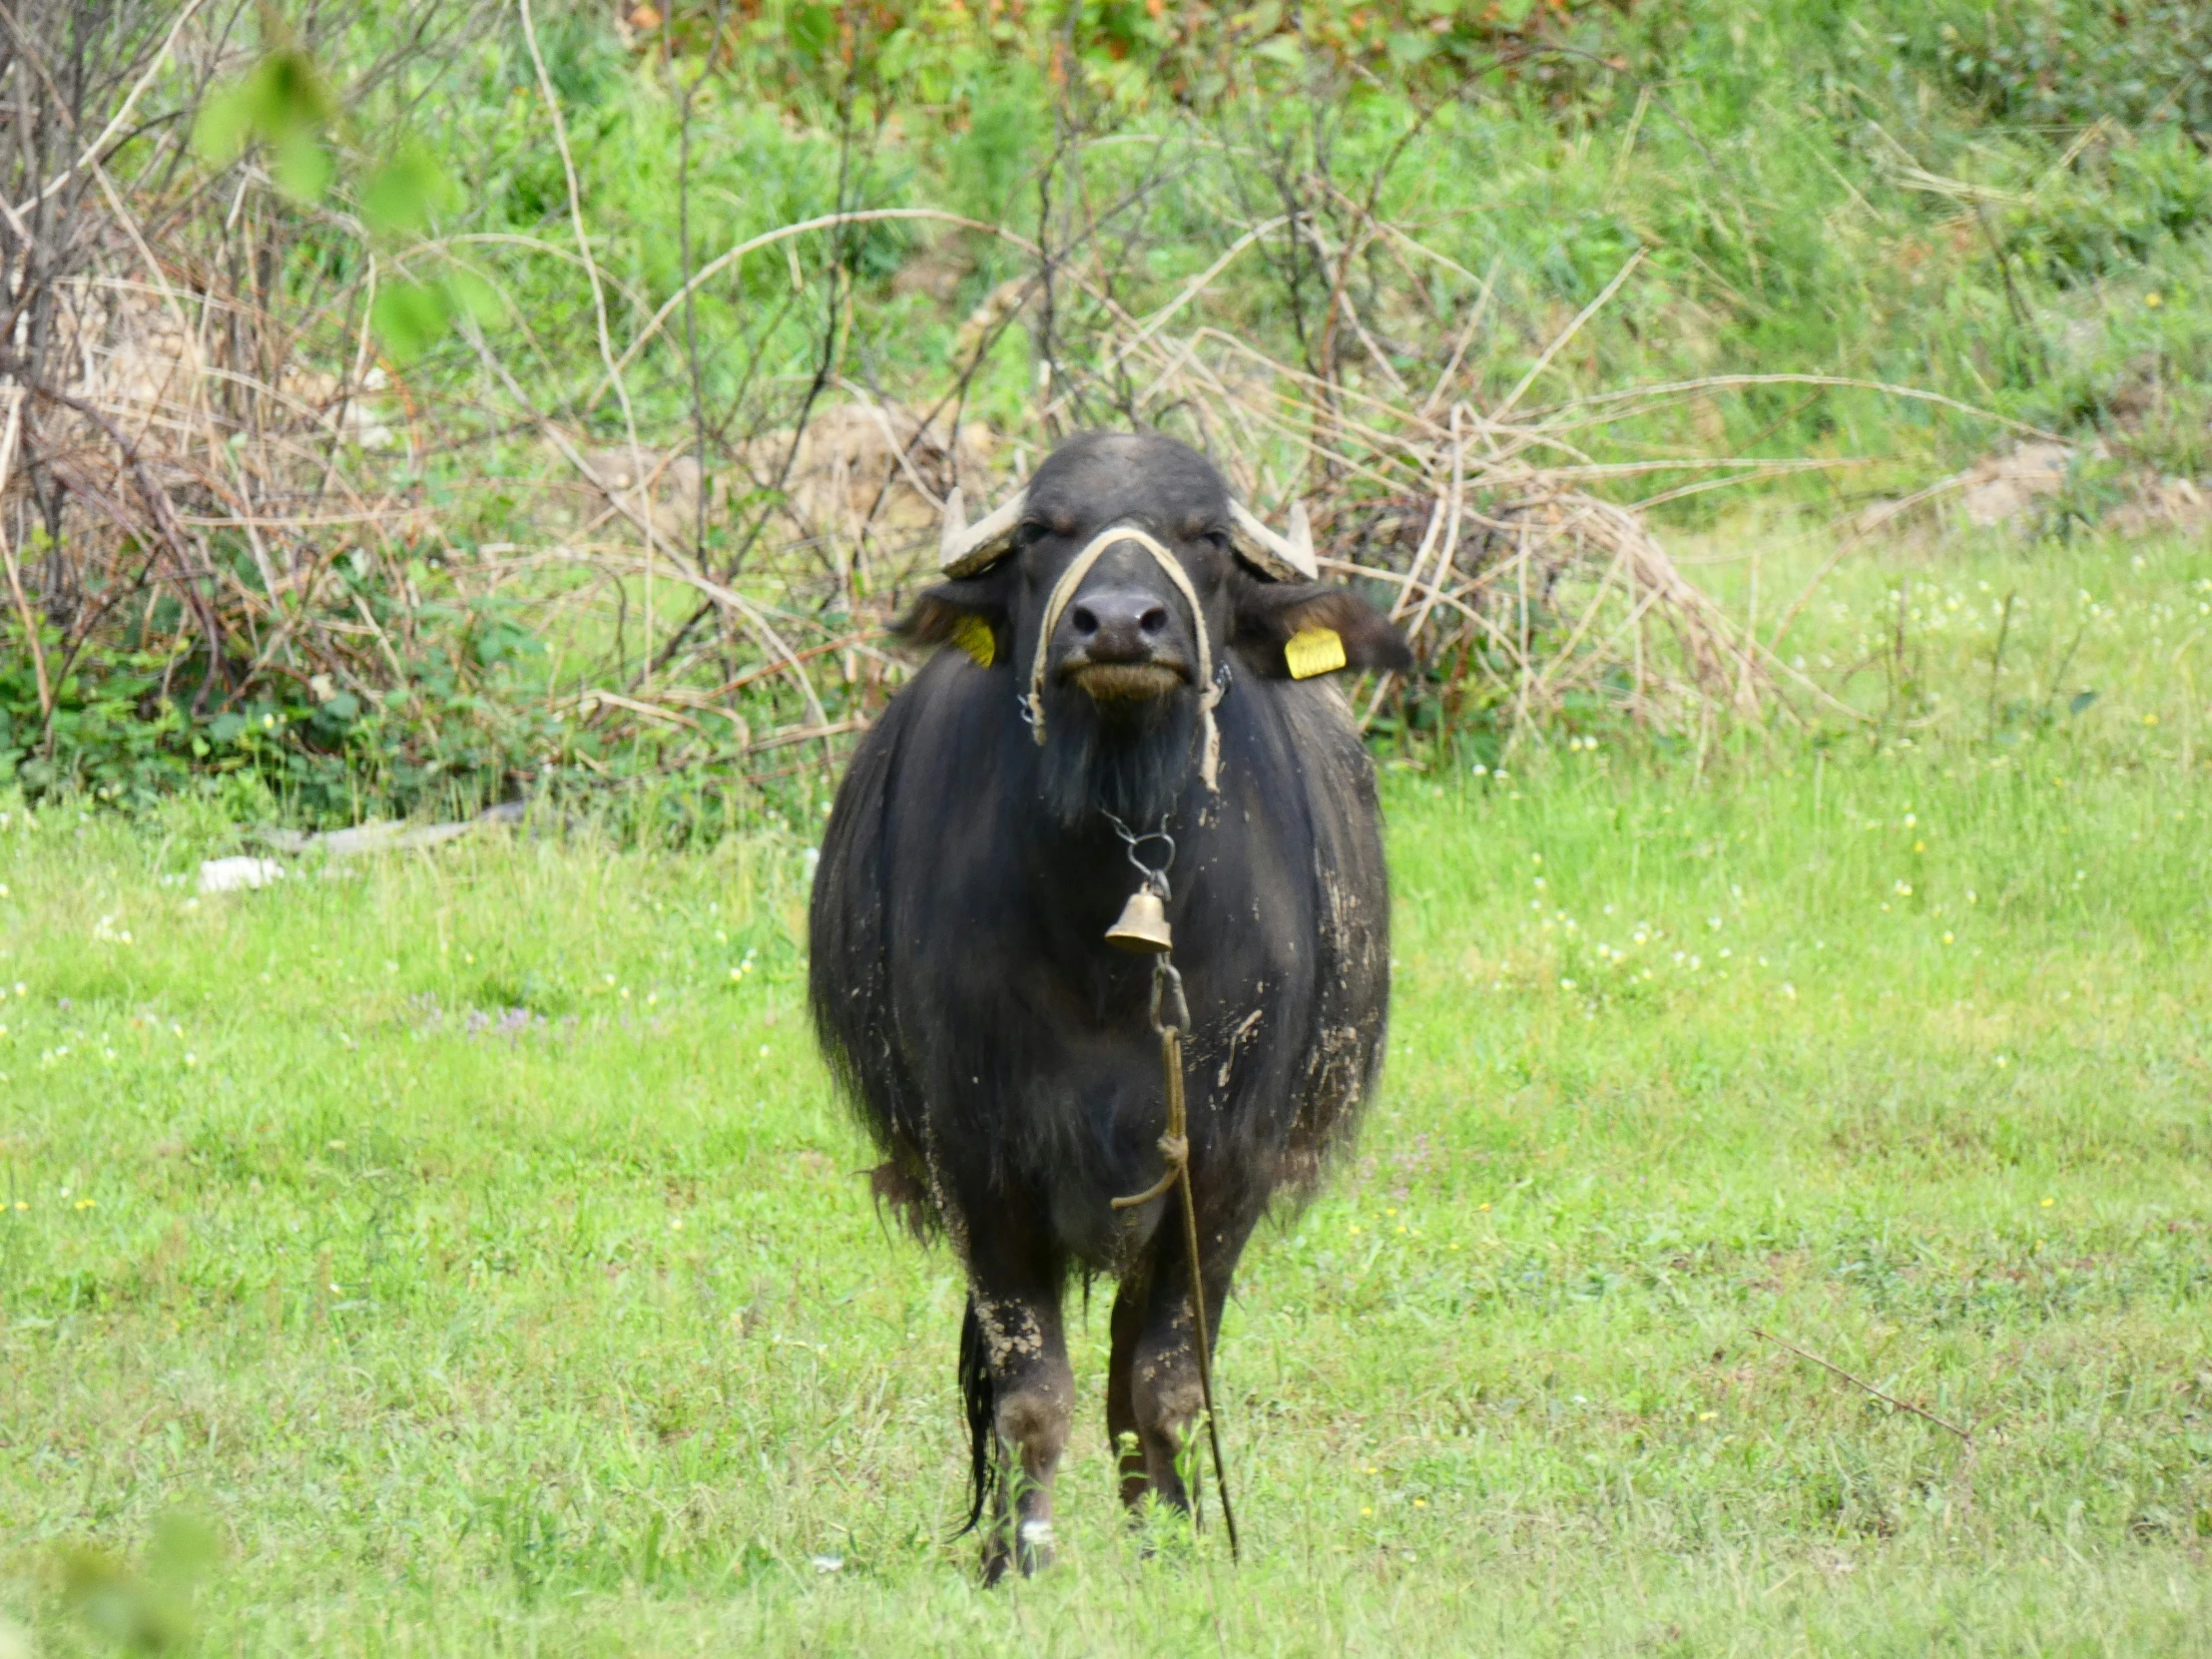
211, 460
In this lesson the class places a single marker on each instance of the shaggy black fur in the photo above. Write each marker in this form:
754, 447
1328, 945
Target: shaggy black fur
996, 1048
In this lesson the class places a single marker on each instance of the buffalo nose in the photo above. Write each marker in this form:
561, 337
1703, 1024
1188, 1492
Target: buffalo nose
1119, 627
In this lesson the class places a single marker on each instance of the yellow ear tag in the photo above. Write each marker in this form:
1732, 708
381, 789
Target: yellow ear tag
1312, 650
974, 635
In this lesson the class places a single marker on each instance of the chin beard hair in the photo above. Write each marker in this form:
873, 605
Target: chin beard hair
1129, 759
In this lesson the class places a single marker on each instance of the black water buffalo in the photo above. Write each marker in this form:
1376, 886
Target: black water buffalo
998, 1050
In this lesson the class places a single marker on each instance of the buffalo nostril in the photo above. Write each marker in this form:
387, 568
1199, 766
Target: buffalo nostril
1085, 619
1153, 620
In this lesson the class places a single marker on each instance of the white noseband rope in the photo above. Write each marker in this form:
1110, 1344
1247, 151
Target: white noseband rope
1063, 591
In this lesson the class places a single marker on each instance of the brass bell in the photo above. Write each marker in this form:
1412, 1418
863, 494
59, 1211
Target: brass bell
1143, 927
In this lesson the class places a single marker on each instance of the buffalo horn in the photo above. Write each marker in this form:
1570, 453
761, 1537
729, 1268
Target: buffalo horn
1286, 558
964, 548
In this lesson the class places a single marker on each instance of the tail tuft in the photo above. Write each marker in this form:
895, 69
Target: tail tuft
977, 1396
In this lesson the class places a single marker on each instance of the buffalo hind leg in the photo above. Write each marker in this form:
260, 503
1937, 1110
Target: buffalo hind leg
1030, 1397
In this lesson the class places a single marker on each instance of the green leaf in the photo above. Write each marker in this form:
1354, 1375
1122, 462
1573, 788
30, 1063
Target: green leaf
470, 293
284, 102
282, 95
409, 318
303, 167
226, 123
290, 95
404, 194
2080, 700
812, 29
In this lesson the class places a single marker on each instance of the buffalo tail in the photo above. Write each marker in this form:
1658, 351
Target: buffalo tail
981, 1401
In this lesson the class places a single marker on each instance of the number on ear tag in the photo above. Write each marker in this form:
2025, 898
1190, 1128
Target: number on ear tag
1312, 650
974, 635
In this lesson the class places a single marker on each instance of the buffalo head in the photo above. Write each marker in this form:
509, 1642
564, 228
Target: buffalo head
1117, 644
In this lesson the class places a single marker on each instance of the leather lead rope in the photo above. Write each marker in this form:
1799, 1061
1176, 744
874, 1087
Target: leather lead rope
1171, 1018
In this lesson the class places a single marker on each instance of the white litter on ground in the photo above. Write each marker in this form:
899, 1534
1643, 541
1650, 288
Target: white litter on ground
390, 835
230, 875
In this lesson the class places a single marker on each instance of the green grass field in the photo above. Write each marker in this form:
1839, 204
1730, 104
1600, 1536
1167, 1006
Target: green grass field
348, 1311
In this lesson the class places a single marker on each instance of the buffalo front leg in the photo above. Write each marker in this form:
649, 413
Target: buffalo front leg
1130, 1302
1023, 1365
1153, 1387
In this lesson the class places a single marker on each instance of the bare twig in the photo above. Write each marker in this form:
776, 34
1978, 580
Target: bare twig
31, 640
1965, 1434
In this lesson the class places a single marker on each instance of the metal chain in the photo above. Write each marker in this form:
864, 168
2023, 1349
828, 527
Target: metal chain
1156, 876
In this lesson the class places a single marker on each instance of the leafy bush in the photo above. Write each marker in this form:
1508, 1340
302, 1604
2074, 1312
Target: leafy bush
2113, 208
2070, 63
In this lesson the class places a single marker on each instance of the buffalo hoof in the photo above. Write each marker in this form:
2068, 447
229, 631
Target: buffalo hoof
1030, 1551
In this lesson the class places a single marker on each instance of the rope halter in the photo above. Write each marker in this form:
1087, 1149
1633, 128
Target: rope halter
1063, 594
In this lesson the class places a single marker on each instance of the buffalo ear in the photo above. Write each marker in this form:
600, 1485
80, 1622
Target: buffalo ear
1269, 614
970, 611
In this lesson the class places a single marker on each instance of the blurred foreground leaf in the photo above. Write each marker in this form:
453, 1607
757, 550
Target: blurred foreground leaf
282, 102
409, 318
